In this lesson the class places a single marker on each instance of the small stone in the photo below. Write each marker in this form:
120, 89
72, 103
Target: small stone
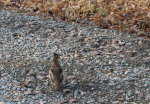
37, 92
111, 83
115, 102
127, 72
70, 77
2, 103
116, 79
40, 77
121, 43
40, 102
66, 90
78, 93
4, 74
17, 98
106, 81
120, 99
28, 91
140, 42
16, 93
110, 62
72, 100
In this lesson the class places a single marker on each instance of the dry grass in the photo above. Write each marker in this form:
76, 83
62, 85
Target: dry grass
127, 15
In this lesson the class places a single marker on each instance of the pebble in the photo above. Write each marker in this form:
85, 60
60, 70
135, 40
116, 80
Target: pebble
2, 103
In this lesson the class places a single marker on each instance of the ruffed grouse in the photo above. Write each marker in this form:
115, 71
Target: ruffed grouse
55, 73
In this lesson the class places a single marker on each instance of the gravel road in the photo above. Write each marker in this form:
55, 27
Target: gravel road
100, 66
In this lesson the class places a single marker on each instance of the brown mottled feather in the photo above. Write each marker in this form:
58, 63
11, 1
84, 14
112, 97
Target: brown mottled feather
55, 73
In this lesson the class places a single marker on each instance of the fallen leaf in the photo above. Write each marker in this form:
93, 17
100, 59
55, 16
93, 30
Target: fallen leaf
133, 29
17, 98
23, 85
148, 14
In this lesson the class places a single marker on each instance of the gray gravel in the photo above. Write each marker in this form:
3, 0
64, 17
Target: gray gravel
100, 66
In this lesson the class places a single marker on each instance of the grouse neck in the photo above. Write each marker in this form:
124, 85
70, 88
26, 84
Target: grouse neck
55, 62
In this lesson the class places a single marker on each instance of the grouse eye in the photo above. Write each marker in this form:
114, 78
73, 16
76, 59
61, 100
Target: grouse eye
52, 71
56, 55
60, 71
